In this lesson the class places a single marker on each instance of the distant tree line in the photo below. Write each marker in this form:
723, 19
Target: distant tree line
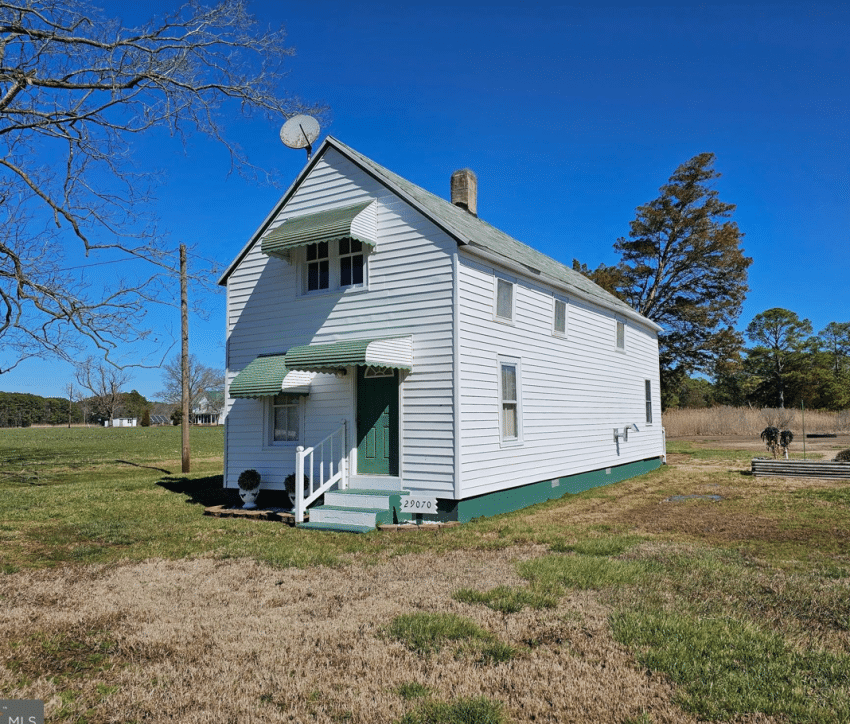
786, 365
18, 409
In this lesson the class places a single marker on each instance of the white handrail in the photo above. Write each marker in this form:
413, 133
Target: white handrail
332, 468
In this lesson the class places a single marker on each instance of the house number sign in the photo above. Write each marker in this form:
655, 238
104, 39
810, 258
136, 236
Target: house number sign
421, 504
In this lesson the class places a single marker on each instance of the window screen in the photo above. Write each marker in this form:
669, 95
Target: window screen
560, 317
510, 416
504, 299
285, 418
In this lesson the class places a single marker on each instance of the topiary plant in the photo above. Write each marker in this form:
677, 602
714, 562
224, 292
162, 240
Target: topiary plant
843, 456
289, 482
770, 435
249, 480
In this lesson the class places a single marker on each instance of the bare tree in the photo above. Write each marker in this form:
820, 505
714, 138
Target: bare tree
105, 382
75, 89
202, 379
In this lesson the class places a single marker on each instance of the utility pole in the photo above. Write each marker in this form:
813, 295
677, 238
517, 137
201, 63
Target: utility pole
184, 356
70, 401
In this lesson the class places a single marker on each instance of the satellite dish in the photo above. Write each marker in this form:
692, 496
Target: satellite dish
299, 132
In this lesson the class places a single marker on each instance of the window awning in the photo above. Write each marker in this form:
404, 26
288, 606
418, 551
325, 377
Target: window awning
268, 375
357, 222
394, 352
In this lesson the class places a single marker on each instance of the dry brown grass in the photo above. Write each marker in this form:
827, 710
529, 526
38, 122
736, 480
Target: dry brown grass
724, 420
212, 641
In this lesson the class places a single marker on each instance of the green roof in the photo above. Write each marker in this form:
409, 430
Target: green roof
381, 352
264, 376
314, 228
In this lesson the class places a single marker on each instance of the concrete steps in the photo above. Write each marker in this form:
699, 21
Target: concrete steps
369, 501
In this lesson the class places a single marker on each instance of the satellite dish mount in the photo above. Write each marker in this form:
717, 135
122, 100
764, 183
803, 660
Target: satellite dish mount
299, 132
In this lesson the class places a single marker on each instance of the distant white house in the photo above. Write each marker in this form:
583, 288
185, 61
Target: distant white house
209, 409
409, 359
122, 422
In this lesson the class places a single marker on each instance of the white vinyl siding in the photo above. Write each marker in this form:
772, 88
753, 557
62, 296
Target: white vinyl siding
572, 390
409, 292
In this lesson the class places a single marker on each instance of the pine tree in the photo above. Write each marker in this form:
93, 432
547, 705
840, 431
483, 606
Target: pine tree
683, 267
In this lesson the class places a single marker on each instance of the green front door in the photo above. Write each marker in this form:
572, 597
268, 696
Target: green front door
377, 422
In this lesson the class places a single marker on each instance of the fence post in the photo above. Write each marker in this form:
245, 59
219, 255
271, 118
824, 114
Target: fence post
299, 484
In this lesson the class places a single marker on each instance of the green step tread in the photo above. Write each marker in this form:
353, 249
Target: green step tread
337, 527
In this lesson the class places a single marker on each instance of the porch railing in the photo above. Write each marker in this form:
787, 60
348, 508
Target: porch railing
319, 467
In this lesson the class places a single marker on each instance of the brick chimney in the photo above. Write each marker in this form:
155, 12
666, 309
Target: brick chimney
465, 190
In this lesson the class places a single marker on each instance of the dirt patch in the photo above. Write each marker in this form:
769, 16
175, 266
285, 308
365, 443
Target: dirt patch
239, 641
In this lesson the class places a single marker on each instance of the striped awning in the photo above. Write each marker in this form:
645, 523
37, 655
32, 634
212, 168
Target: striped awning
356, 222
268, 375
392, 352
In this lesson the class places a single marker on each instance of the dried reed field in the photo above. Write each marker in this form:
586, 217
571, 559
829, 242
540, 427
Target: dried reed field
635, 603
725, 420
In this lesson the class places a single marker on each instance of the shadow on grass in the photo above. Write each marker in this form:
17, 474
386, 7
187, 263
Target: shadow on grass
201, 491
147, 467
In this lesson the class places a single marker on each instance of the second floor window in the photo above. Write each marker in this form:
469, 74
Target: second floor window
350, 262
334, 265
318, 266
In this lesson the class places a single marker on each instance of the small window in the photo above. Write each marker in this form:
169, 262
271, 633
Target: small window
504, 299
621, 335
318, 266
285, 418
648, 393
350, 262
510, 412
560, 321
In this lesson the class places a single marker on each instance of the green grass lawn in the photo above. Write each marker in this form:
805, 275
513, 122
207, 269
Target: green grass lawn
743, 603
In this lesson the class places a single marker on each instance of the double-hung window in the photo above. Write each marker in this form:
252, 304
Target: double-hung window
331, 265
648, 396
285, 418
621, 335
510, 411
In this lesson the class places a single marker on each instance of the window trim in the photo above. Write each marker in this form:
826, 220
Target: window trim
334, 271
556, 300
268, 433
647, 387
513, 286
517, 365
621, 327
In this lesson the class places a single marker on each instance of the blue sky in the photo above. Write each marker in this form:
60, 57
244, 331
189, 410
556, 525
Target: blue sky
571, 115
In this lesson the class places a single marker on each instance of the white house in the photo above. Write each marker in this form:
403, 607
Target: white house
407, 358
209, 409
121, 422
